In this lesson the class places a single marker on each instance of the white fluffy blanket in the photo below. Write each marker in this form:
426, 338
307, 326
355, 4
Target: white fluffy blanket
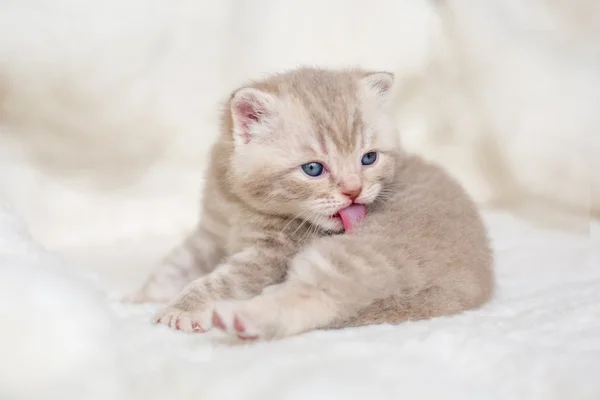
538, 339
107, 110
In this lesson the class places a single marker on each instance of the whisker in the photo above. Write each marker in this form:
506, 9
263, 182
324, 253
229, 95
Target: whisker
304, 220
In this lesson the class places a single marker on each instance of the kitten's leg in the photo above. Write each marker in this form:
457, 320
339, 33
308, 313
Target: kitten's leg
324, 284
198, 255
341, 282
241, 276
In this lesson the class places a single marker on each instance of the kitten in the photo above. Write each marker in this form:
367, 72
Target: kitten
314, 217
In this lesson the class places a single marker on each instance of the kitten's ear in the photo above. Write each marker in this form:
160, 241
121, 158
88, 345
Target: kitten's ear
254, 113
378, 85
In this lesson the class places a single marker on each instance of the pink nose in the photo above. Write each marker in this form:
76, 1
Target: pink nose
353, 194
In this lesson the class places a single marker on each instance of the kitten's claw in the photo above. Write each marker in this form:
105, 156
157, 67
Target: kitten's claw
185, 321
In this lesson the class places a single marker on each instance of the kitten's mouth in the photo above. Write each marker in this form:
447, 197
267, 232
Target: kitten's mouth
351, 216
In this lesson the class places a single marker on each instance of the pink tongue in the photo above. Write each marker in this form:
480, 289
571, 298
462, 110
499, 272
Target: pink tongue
352, 215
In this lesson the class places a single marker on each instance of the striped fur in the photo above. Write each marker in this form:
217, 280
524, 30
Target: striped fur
267, 261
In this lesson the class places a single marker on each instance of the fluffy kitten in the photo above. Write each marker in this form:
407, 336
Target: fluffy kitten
314, 217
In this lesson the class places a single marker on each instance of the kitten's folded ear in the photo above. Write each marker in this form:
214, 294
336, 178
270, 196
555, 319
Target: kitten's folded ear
254, 114
378, 85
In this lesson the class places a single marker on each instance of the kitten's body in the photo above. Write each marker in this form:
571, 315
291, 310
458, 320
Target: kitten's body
269, 262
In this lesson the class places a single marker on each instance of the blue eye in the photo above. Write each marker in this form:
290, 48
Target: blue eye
313, 168
369, 158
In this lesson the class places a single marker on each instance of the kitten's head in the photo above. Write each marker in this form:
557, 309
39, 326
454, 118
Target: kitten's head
311, 142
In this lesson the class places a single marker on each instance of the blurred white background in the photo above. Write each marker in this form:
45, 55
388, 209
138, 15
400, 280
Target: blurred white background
108, 109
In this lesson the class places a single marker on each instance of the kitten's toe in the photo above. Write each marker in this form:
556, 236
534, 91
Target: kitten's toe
185, 321
164, 316
233, 318
217, 321
244, 328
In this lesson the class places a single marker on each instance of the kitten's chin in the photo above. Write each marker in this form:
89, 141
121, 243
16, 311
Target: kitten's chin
331, 224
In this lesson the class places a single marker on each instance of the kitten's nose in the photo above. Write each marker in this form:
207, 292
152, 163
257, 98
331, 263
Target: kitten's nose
351, 186
353, 194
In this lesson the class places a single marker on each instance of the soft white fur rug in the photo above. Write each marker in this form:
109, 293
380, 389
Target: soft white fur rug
107, 111
538, 339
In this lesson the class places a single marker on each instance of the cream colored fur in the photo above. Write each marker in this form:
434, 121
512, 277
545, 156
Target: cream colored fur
421, 251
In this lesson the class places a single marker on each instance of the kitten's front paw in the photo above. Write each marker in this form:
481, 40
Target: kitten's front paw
185, 321
239, 319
